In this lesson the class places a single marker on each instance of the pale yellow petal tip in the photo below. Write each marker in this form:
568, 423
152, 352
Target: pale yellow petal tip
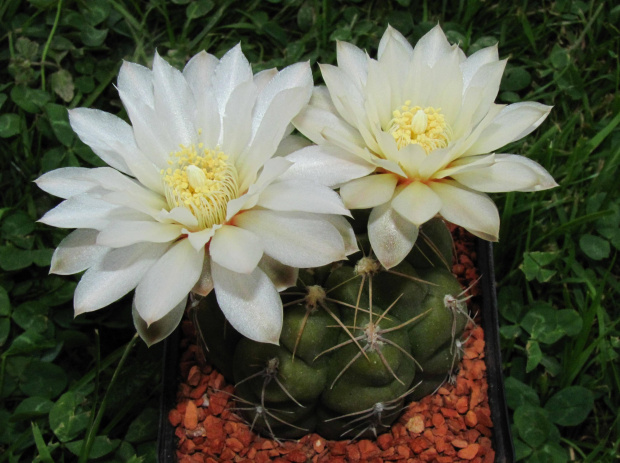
493, 237
149, 322
547, 185
389, 264
78, 311
351, 248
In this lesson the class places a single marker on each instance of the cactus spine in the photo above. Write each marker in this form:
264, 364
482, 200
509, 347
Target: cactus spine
358, 343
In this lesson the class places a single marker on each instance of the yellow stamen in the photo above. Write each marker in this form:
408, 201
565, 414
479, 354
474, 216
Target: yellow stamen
425, 126
202, 181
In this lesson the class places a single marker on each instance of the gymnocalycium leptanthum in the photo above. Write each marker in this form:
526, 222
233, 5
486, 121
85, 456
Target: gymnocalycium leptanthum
209, 196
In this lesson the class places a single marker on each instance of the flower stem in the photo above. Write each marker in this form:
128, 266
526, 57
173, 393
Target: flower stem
92, 432
48, 43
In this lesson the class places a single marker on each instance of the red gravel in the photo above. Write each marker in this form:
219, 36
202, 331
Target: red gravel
452, 425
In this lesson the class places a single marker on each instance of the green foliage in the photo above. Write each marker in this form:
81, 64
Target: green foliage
557, 261
535, 430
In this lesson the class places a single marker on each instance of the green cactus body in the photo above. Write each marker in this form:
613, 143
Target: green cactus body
358, 342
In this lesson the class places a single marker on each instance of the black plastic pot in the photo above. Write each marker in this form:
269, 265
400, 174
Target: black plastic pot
502, 440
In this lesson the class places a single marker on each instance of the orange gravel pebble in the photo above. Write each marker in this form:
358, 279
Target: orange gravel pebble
471, 419
438, 420
190, 421
452, 425
459, 443
469, 452
415, 424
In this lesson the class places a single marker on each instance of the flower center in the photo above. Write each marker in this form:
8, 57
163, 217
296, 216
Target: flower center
202, 181
425, 126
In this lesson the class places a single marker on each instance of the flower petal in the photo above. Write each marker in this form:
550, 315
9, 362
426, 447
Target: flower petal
369, 191
378, 102
476, 61
508, 173
131, 191
115, 275
298, 239
76, 252
282, 276
178, 215
346, 232
80, 211
392, 34
301, 195
262, 78
136, 201
327, 165
272, 169
108, 136
391, 236
471, 210
204, 285
353, 61
136, 81
322, 99
148, 130
478, 97
313, 121
119, 234
281, 100
250, 303
168, 281
291, 144
345, 94
465, 164
199, 239
432, 47
236, 249
66, 181
412, 158
394, 55
162, 328
272, 129
232, 70
296, 76
417, 203
514, 122
199, 71
442, 86
174, 102
237, 119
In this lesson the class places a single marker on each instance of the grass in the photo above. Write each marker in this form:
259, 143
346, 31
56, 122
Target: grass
557, 260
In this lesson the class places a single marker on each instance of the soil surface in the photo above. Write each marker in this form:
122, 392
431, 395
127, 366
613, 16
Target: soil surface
451, 425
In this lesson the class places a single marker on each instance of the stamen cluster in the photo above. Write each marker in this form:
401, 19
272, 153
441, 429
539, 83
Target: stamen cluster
202, 181
425, 126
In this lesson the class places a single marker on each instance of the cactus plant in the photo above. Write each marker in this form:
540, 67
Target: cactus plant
358, 342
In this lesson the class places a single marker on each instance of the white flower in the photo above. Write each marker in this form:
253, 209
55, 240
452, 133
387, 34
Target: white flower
422, 122
193, 199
